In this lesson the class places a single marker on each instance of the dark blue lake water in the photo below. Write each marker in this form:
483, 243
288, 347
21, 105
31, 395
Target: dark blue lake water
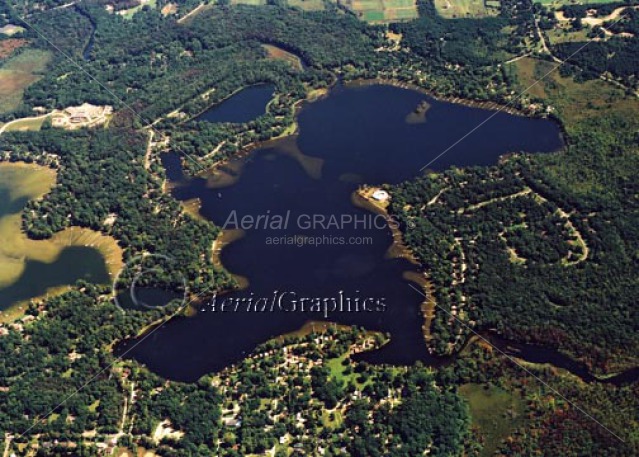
244, 106
355, 135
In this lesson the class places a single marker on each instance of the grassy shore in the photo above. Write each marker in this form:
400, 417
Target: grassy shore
21, 182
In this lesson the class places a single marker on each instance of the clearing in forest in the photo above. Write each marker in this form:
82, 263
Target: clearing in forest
453, 9
382, 11
19, 72
307, 5
495, 412
277, 53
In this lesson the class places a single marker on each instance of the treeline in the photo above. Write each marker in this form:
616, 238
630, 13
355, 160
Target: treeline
64, 31
617, 56
6, 14
155, 66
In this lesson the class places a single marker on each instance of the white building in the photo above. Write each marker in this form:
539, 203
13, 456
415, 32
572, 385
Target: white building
381, 195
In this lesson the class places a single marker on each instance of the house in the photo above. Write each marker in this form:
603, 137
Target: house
381, 195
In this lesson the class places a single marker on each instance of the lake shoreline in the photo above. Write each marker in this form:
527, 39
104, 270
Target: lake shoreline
481, 104
363, 198
34, 181
193, 118
355, 118
290, 131
319, 94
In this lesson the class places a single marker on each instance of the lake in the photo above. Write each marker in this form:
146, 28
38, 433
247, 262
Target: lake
30, 268
244, 106
325, 250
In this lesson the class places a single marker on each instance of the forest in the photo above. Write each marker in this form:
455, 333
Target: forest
543, 290
617, 56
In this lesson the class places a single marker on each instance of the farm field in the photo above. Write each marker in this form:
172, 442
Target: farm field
307, 5
17, 73
249, 2
452, 9
382, 11
559, 3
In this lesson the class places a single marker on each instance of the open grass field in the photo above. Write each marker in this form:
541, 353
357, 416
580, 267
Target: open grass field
20, 183
128, 14
11, 29
382, 11
17, 73
25, 124
560, 3
308, 5
495, 412
169, 8
280, 54
452, 9
576, 103
573, 101
566, 34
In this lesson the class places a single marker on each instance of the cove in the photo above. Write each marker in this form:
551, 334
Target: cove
353, 136
74, 263
244, 106
32, 268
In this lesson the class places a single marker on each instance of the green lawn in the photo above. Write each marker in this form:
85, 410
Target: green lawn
373, 15
399, 4
464, 8
337, 369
